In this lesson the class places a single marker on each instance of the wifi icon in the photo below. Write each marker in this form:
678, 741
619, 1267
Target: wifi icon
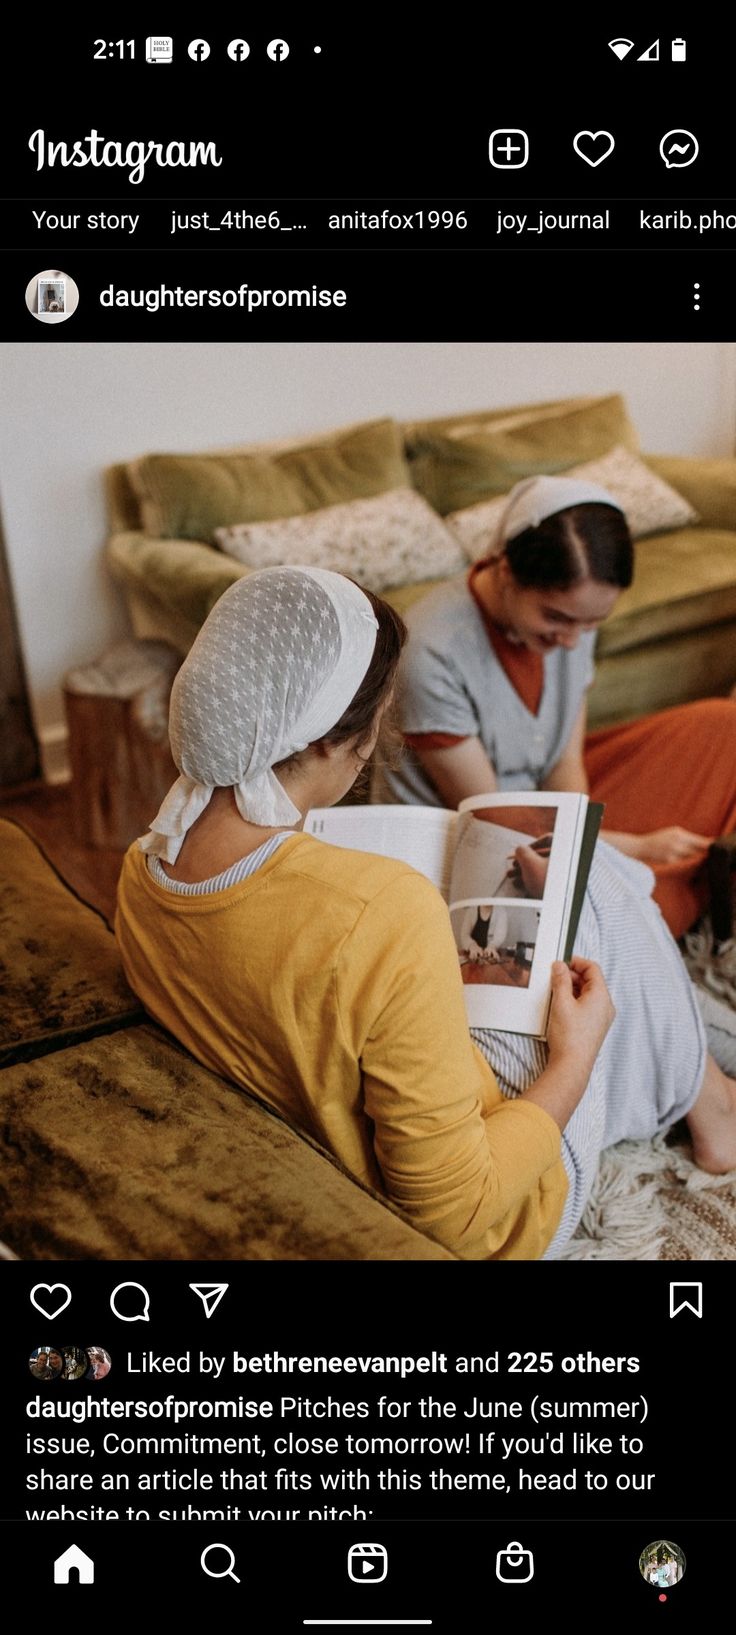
621, 47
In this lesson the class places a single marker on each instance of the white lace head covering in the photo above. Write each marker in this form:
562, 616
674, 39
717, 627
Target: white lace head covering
536, 498
274, 666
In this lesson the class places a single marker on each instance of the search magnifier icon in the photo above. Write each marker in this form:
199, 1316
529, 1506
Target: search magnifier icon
227, 1571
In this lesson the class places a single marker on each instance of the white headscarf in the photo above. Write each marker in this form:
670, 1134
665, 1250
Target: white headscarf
274, 666
536, 498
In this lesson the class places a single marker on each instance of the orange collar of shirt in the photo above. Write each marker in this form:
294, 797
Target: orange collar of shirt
524, 669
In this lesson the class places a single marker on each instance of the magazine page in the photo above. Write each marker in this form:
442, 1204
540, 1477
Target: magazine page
419, 835
512, 880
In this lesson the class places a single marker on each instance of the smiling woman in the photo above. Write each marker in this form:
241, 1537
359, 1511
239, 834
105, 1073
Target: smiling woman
492, 695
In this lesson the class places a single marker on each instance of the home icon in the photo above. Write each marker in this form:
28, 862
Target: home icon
74, 1559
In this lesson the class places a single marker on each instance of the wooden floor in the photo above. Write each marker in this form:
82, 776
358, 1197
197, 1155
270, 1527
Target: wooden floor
45, 810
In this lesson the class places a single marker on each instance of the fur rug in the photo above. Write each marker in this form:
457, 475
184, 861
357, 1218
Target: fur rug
650, 1202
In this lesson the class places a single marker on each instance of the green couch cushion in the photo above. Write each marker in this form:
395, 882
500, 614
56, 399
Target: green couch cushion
684, 582
640, 680
125, 1148
709, 485
60, 974
183, 576
478, 417
402, 597
188, 496
473, 458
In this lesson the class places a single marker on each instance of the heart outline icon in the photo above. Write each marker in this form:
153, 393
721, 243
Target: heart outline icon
50, 1288
594, 135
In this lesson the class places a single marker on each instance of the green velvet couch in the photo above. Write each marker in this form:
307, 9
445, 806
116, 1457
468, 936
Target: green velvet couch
115, 1144
671, 638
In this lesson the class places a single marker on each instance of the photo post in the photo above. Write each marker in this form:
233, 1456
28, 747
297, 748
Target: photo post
367, 817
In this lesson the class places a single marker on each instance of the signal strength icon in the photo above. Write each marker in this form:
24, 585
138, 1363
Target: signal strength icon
621, 48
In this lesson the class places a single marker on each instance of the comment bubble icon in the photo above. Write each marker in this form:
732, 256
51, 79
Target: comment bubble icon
138, 1312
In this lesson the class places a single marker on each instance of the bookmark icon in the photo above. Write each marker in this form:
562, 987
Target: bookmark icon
210, 1295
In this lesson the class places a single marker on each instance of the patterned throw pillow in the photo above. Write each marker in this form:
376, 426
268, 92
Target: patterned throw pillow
392, 539
650, 504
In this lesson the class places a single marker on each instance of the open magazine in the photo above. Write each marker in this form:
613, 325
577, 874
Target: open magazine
512, 869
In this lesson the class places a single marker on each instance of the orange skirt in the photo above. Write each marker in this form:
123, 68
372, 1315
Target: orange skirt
678, 766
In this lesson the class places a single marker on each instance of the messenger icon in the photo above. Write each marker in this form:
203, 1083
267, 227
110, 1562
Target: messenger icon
678, 149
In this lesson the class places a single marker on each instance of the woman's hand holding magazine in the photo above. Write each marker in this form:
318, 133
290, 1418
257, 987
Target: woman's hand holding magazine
579, 1019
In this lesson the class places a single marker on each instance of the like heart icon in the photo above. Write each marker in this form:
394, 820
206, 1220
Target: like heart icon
50, 1309
594, 146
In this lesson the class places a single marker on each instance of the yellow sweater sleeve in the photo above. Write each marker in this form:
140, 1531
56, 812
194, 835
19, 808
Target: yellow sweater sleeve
481, 1173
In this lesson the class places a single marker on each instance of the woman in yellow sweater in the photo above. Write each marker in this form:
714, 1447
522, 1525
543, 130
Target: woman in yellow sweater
326, 981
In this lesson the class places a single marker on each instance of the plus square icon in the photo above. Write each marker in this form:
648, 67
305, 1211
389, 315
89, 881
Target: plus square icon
508, 149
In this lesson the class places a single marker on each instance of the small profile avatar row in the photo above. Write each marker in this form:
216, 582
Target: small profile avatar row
69, 1362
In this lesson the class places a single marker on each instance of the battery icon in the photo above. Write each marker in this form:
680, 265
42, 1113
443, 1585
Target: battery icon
679, 50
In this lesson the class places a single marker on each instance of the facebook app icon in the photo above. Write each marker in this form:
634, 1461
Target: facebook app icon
278, 50
199, 50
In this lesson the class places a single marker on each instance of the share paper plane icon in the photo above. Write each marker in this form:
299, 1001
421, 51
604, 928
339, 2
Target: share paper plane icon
210, 1295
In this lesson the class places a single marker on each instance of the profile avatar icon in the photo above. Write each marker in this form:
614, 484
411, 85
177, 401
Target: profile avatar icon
662, 1564
45, 1363
99, 1362
75, 1362
52, 296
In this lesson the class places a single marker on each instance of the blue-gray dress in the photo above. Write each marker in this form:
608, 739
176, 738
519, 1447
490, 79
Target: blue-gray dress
450, 680
652, 1063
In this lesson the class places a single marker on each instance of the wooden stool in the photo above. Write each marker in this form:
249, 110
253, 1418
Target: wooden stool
721, 865
117, 711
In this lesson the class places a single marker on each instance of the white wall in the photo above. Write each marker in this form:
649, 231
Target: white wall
69, 410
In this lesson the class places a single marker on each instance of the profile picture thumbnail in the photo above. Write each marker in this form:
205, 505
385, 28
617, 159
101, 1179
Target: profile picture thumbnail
99, 1362
662, 1564
45, 1363
76, 1362
52, 296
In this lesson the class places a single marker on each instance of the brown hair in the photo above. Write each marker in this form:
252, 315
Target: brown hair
590, 541
358, 720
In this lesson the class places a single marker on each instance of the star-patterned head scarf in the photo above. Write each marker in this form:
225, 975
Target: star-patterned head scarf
275, 665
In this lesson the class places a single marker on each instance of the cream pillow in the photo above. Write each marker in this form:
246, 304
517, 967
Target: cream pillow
392, 539
650, 504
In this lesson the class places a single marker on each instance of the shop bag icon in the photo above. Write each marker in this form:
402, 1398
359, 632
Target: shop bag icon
514, 1565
